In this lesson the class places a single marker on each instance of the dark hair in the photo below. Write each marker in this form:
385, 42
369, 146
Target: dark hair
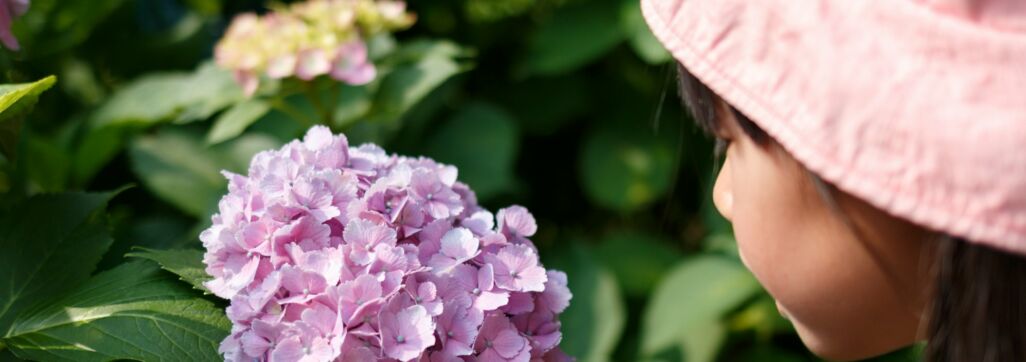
977, 310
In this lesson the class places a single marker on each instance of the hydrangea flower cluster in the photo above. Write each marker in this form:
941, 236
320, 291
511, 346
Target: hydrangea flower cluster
308, 39
336, 253
10, 10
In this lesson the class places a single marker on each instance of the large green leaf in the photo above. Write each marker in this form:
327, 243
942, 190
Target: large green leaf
178, 167
134, 311
161, 97
482, 142
186, 263
596, 317
575, 36
16, 100
697, 291
50, 243
232, 122
625, 169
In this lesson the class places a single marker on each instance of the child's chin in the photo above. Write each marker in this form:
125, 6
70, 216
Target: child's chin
836, 349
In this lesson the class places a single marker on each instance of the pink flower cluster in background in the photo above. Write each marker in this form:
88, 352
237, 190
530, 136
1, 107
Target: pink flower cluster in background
308, 39
337, 253
10, 10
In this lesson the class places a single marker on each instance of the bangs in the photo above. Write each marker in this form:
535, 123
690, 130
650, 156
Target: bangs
702, 103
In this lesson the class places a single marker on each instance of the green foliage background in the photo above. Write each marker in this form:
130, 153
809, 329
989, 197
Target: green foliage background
565, 106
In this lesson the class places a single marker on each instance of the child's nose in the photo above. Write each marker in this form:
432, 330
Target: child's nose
723, 191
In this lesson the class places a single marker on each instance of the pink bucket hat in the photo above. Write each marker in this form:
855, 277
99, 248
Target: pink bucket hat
918, 107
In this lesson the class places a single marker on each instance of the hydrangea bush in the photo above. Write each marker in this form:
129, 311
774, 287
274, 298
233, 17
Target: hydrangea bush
329, 252
309, 39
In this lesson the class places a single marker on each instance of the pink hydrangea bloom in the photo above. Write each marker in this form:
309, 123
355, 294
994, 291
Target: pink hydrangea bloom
305, 40
335, 253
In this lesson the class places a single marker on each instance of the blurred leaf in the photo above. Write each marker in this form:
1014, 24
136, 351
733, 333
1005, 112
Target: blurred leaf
697, 291
482, 142
187, 264
159, 97
50, 243
175, 160
172, 162
232, 122
16, 101
700, 343
574, 36
492, 10
762, 317
638, 260
640, 37
423, 66
134, 311
48, 165
219, 89
352, 105
769, 353
51, 26
624, 169
544, 105
156, 231
95, 150
594, 321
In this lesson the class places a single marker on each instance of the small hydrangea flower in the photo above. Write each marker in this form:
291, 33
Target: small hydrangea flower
335, 253
307, 40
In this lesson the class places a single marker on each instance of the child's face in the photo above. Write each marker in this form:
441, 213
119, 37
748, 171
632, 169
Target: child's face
849, 297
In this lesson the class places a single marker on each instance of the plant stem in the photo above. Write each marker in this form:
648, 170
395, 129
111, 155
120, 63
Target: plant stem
292, 112
2, 345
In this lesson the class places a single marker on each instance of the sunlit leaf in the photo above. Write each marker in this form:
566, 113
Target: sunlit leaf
16, 100
50, 243
186, 263
135, 311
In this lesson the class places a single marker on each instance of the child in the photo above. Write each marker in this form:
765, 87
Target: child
875, 163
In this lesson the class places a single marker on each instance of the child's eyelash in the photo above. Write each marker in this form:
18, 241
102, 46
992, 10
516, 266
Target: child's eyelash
721, 147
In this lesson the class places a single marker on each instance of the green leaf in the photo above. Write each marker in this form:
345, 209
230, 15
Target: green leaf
638, 260
482, 142
159, 97
134, 311
186, 263
575, 35
178, 167
16, 100
640, 37
422, 66
697, 291
50, 243
597, 315
47, 165
625, 169
232, 122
